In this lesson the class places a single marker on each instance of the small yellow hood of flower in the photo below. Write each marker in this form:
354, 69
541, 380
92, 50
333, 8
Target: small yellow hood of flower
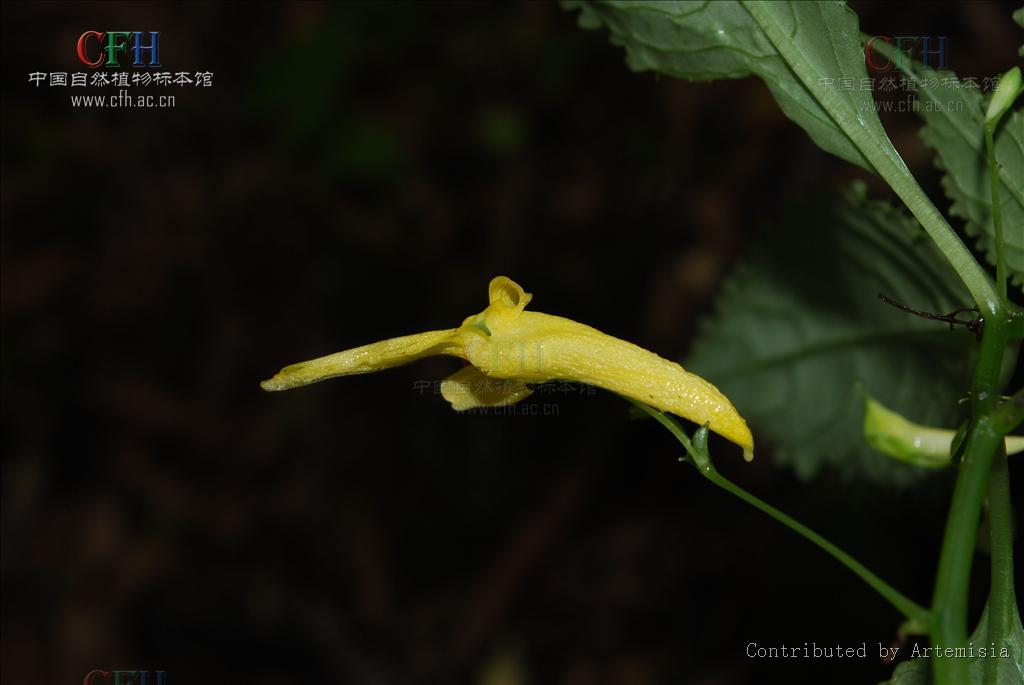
509, 347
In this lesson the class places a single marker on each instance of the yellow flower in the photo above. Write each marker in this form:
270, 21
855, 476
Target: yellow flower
509, 348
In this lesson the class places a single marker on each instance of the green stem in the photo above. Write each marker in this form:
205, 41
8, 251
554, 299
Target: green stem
1009, 414
916, 615
949, 603
1016, 322
1002, 600
878, 150
997, 218
696, 457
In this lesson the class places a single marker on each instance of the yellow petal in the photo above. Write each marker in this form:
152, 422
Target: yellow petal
469, 388
368, 358
507, 343
537, 347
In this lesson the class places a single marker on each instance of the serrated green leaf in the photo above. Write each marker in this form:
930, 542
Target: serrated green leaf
961, 154
704, 41
1009, 670
954, 127
800, 324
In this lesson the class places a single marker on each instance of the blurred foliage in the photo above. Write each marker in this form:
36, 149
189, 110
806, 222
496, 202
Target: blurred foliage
1018, 16
799, 326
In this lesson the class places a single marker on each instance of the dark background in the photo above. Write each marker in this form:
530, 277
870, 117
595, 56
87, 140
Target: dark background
357, 172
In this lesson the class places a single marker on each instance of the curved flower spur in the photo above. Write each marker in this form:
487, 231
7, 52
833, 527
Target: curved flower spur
509, 348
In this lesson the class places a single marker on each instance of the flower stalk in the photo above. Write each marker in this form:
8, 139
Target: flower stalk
917, 617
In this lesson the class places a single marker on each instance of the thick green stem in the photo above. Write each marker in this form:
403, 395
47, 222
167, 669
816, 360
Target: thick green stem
949, 603
1002, 602
1016, 315
1010, 413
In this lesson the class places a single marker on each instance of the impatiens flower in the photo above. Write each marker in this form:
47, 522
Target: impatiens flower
510, 348
895, 436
